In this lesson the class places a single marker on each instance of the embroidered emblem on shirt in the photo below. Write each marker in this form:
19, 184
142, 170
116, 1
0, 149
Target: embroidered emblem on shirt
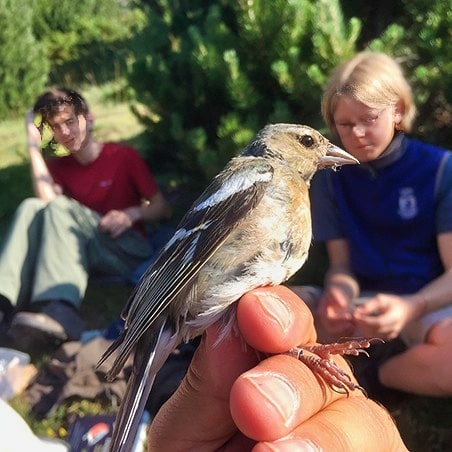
105, 183
407, 203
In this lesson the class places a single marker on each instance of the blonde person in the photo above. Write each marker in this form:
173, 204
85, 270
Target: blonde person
387, 226
87, 216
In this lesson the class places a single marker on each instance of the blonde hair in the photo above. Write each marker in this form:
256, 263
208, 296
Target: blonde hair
374, 79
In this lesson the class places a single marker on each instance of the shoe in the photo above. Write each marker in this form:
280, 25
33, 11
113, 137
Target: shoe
56, 322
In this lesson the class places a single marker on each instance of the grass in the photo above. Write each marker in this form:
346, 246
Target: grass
13, 139
425, 423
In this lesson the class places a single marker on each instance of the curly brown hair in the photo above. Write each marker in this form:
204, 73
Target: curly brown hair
49, 103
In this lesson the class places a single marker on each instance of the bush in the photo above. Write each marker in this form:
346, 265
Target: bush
421, 40
24, 67
61, 42
87, 40
212, 73
216, 72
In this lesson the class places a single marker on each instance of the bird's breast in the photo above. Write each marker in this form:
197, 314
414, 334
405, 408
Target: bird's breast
266, 248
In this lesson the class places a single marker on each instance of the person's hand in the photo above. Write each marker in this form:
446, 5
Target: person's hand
115, 222
384, 316
230, 400
334, 313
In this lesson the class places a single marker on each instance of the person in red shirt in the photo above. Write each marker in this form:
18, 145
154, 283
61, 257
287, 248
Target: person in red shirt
87, 216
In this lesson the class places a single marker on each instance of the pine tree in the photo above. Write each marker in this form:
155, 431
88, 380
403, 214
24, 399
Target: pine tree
24, 67
216, 72
421, 40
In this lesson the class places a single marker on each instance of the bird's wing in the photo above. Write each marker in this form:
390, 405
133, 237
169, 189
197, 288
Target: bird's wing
232, 195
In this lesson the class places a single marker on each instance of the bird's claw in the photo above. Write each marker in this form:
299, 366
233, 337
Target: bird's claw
318, 360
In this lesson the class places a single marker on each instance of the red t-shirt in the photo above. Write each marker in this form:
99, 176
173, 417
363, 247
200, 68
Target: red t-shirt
117, 179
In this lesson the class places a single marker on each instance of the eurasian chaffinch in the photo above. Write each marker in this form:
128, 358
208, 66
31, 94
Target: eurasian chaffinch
251, 227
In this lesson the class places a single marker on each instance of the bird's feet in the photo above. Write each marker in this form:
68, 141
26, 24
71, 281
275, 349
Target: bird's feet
318, 359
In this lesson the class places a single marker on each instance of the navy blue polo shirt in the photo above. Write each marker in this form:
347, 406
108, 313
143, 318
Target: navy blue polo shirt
390, 211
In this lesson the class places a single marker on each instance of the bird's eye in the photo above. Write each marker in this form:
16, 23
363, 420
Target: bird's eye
306, 140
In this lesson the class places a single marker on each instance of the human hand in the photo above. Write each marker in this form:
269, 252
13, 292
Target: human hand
115, 222
230, 400
334, 313
384, 316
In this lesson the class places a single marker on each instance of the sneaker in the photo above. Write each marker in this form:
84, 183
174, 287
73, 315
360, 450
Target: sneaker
56, 322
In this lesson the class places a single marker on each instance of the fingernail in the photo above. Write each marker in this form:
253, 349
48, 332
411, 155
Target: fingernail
290, 445
276, 310
279, 395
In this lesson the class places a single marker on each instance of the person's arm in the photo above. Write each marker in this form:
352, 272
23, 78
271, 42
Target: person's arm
340, 288
438, 293
231, 400
43, 184
339, 274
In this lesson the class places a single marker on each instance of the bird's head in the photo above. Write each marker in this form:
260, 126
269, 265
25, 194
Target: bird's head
302, 147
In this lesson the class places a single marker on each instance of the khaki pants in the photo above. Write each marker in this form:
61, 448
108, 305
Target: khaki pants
51, 249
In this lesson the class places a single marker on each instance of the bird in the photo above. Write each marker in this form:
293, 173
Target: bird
251, 227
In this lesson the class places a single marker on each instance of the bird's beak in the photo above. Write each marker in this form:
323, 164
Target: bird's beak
336, 157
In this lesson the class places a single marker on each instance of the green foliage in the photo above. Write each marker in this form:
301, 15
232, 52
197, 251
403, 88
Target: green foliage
24, 68
62, 42
422, 41
430, 26
213, 73
216, 72
87, 39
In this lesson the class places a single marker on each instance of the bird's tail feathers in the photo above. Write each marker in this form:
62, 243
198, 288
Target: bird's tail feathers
118, 364
139, 386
